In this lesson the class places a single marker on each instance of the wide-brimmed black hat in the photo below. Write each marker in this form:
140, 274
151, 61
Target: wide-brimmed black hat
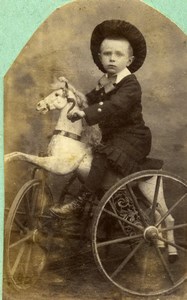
119, 29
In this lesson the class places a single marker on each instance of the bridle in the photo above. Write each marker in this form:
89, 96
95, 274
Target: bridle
63, 132
69, 99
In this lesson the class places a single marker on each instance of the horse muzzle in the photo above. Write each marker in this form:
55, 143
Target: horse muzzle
43, 109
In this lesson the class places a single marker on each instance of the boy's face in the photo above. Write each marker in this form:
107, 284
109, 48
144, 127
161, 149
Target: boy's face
115, 55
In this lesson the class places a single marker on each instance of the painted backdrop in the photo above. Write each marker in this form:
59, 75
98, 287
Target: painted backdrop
162, 77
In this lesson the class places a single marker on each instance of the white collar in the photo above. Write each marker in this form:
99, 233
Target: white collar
125, 72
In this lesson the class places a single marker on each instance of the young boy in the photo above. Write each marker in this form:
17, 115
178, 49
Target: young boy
118, 49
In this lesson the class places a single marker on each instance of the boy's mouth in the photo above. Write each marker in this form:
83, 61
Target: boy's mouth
111, 66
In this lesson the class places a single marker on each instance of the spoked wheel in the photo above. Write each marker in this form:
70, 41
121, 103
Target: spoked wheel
25, 232
140, 241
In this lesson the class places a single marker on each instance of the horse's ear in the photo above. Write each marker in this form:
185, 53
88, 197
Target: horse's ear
63, 79
58, 83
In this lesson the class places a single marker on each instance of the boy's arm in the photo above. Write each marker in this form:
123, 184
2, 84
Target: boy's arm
119, 104
92, 96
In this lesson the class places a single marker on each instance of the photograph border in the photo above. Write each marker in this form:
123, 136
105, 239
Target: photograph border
18, 22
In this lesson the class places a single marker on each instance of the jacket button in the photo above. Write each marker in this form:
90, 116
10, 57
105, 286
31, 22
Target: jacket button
102, 94
101, 103
99, 110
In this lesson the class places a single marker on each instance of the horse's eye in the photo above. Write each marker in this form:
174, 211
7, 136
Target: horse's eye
56, 94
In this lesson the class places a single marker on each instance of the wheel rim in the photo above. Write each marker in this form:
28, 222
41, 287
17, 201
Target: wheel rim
24, 234
133, 260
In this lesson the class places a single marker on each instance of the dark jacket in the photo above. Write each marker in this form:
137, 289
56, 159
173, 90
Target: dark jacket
125, 139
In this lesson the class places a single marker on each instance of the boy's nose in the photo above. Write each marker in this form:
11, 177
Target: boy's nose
112, 57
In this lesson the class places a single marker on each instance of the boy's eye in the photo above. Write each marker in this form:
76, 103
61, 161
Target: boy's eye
106, 53
119, 54
56, 94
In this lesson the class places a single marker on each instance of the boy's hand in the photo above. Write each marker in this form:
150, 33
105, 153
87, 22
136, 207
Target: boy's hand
76, 115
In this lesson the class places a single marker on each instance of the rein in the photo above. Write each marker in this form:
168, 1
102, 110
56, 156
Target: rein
68, 134
63, 132
69, 100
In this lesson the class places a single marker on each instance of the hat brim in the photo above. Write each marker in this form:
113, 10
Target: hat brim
119, 29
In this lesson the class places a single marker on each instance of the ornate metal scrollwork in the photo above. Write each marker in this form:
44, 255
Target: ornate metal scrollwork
125, 208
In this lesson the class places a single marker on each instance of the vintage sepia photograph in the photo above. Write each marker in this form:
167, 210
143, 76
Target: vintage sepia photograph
95, 157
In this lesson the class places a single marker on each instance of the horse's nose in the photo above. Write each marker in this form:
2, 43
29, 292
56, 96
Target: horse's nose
38, 106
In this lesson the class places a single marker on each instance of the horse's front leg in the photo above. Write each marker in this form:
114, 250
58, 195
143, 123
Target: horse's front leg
148, 189
13, 156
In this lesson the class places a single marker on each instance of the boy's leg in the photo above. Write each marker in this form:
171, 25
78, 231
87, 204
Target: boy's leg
98, 169
92, 184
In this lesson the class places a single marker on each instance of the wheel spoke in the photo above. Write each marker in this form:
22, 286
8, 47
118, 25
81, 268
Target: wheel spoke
172, 244
26, 238
136, 204
123, 220
27, 262
45, 217
173, 227
154, 205
28, 211
22, 213
114, 210
20, 225
170, 210
164, 264
43, 199
34, 197
27, 204
119, 240
126, 260
16, 263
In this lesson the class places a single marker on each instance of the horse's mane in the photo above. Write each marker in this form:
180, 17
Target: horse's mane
91, 135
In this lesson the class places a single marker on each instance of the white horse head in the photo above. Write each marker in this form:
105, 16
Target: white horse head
65, 98
63, 94
56, 100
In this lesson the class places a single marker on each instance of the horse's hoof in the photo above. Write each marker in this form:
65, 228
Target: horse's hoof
172, 258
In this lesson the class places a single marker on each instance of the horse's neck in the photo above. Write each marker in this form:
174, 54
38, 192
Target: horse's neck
65, 124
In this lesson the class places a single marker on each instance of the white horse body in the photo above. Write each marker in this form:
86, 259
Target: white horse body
69, 155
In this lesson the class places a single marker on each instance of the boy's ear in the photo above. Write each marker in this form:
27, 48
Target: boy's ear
131, 59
